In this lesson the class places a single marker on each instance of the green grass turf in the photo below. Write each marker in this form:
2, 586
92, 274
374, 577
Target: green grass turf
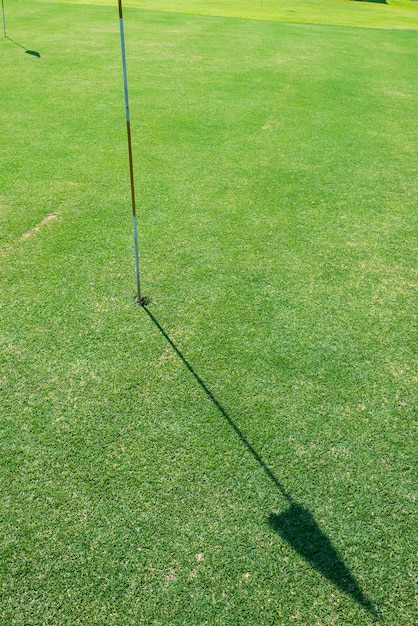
258, 469
372, 14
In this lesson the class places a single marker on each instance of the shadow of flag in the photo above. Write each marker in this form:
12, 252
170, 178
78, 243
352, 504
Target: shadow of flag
33, 53
296, 525
299, 529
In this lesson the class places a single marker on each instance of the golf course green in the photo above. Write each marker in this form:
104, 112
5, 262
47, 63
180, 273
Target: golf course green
242, 450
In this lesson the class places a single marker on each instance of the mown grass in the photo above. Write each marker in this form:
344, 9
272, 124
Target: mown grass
368, 14
145, 481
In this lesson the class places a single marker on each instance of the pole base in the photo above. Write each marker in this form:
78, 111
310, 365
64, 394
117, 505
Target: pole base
142, 301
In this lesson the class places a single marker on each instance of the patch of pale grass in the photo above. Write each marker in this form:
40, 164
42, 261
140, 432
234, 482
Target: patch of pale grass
32, 231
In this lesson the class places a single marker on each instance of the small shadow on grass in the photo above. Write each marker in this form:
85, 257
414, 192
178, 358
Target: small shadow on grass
296, 525
31, 52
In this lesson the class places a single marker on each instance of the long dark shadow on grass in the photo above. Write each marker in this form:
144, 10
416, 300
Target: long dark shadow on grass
31, 52
297, 526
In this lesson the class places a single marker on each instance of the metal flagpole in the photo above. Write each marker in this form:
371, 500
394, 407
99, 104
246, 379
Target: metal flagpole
4, 18
131, 168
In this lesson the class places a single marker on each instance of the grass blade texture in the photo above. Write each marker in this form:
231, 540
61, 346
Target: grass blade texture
242, 451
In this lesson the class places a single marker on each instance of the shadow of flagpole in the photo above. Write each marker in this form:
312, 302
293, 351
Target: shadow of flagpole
296, 525
31, 52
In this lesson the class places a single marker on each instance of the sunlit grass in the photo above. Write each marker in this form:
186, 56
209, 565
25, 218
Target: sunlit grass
373, 14
149, 463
